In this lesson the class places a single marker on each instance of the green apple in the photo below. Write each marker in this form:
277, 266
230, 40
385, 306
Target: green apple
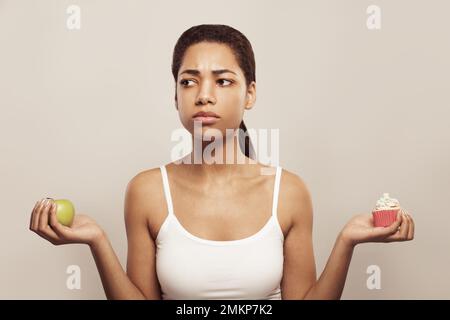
65, 211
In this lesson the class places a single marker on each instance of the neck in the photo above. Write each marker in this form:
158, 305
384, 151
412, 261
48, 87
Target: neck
217, 158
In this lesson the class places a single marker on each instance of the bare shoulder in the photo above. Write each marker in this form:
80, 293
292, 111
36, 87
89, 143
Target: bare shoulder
294, 199
293, 184
147, 181
145, 196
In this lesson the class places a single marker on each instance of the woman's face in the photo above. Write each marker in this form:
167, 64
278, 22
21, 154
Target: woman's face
210, 80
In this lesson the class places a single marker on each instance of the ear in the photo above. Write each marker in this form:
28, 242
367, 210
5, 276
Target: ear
251, 95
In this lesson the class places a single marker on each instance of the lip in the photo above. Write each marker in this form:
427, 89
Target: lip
206, 114
206, 117
206, 120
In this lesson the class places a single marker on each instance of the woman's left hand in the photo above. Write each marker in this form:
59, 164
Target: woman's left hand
360, 229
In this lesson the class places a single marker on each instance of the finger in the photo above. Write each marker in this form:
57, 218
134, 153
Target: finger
33, 212
402, 231
37, 212
43, 218
35, 215
49, 234
404, 227
411, 227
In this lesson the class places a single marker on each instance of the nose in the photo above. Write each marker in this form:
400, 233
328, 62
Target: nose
205, 94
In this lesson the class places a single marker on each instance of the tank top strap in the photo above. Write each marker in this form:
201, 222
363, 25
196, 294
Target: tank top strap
165, 180
276, 190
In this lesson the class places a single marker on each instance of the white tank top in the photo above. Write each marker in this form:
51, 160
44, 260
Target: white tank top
189, 267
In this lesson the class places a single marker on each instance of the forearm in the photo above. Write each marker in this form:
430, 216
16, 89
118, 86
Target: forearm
116, 284
332, 280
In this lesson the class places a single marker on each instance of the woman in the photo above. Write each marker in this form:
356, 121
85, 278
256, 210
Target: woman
212, 230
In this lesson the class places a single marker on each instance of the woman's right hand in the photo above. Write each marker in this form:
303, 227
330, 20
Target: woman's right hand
43, 221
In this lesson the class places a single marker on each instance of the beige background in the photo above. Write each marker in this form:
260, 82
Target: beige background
360, 113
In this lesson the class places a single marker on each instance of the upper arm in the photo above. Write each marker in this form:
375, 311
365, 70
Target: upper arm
141, 266
299, 270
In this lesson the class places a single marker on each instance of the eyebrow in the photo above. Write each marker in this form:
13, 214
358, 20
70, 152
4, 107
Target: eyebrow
195, 72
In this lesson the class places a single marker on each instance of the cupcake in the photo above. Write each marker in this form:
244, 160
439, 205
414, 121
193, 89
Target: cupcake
385, 212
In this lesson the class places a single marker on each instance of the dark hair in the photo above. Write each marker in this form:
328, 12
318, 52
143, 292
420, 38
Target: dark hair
242, 50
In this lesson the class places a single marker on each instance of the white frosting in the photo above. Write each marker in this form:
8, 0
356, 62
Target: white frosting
386, 203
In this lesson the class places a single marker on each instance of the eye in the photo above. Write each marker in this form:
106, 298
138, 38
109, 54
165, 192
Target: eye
187, 82
224, 82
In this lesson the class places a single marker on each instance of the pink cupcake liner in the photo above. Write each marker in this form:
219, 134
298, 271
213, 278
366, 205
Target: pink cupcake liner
384, 218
